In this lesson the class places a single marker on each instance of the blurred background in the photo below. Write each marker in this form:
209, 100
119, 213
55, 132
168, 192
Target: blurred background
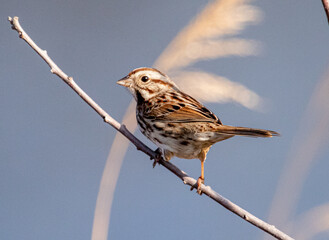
253, 63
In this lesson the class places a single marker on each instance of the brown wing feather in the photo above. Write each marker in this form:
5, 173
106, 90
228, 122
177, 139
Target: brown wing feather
181, 108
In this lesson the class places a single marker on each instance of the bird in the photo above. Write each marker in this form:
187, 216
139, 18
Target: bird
176, 122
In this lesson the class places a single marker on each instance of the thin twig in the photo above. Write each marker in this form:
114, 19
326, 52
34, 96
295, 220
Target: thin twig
272, 230
326, 8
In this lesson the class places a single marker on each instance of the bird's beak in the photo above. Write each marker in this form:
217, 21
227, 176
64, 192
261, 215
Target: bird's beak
126, 81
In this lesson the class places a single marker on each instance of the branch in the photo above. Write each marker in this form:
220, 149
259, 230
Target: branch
326, 7
272, 230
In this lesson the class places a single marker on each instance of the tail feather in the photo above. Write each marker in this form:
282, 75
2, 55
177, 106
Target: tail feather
243, 131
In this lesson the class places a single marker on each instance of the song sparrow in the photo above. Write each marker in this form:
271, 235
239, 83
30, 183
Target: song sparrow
177, 123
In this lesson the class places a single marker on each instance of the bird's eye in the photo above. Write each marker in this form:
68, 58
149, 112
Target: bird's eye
145, 78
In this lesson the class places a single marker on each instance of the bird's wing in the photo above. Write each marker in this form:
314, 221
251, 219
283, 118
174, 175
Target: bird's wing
180, 107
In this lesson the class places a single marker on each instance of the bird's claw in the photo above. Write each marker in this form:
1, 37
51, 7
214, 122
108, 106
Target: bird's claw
158, 157
197, 185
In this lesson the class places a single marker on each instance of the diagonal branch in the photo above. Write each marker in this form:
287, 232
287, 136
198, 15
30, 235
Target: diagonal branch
272, 230
326, 7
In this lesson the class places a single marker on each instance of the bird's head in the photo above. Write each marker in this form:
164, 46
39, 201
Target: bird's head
145, 83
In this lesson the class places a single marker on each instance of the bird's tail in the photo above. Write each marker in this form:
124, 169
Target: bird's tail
249, 132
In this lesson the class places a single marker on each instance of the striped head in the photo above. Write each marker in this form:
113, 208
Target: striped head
146, 83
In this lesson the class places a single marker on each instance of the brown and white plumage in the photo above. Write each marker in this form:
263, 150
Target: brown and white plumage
177, 123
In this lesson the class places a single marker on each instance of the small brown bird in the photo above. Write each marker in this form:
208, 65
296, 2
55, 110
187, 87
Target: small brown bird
177, 123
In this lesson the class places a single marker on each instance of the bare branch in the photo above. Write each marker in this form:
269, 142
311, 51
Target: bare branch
272, 230
326, 7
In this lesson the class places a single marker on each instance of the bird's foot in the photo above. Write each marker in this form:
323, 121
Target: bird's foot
158, 157
198, 184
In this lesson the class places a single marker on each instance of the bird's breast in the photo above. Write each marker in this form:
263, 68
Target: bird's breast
179, 138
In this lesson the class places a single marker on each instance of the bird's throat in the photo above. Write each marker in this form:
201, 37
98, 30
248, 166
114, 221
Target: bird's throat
140, 98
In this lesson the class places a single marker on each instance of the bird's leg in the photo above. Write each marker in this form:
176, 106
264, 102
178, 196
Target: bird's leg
201, 178
202, 157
